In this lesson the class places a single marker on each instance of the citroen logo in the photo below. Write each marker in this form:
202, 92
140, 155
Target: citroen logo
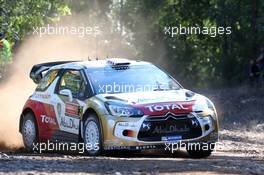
194, 123
146, 126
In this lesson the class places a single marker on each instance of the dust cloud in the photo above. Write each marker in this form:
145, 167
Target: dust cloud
15, 90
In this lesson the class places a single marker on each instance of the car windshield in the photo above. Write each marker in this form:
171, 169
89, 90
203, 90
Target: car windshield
129, 79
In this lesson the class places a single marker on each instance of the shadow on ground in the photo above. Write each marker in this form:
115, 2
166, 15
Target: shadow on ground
126, 163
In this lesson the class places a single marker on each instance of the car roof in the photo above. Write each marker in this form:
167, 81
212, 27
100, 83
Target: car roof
77, 65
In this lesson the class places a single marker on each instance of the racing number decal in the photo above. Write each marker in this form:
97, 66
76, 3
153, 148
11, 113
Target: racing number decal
71, 109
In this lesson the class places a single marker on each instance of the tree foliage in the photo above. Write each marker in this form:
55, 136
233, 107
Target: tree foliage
197, 58
19, 17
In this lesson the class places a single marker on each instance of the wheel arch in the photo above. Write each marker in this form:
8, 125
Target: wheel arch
25, 111
85, 116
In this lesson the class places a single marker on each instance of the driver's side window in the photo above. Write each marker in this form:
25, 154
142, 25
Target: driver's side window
73, 81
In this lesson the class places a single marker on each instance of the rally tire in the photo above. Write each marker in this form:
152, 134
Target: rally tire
92, 135
29, 131
200, 152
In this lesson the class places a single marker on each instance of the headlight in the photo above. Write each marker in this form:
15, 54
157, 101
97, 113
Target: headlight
211, 106
203, 104
123, 110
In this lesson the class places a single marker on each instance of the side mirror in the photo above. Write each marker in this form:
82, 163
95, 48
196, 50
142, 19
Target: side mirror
68, 93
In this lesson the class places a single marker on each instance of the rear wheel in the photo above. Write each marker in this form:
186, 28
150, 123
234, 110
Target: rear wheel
29, 131
92, 135
200, 150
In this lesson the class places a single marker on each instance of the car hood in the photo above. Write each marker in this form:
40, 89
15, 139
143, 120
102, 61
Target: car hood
152, 97
158, 102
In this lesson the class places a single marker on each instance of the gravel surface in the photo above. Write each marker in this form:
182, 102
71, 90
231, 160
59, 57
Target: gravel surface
239, 152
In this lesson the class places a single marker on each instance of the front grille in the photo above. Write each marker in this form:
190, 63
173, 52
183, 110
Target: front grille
169, 115
169, 127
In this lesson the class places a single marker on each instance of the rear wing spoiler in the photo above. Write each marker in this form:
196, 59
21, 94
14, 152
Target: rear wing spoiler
38, 70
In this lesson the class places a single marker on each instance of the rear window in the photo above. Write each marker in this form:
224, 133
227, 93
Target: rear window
47, 80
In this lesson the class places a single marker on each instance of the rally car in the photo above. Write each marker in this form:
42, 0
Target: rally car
115, 104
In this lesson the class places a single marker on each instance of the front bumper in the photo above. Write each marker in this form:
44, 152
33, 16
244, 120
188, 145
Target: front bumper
152, 132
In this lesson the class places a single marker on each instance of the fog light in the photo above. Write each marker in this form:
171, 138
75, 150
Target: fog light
128, 133
206, 127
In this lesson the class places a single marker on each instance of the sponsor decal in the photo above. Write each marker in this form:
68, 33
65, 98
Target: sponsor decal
68, 123
171, 138
80, 110
170, 129
48, 120
43, 96
127, 124
130, 147
71, 109
162, 107
59, 109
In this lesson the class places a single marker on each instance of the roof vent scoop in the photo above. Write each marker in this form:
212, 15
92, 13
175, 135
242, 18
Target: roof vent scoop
118, 63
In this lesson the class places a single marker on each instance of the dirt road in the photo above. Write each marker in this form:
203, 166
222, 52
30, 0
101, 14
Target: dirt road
239, 152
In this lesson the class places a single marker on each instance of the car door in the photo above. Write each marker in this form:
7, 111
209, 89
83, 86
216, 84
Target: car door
70, 89
42, 104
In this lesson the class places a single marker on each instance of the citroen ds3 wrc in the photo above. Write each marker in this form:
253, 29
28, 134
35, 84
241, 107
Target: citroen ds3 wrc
115, 104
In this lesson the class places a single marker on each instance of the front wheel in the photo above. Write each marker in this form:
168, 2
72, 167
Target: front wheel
200, 150
92, 135
29, 131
